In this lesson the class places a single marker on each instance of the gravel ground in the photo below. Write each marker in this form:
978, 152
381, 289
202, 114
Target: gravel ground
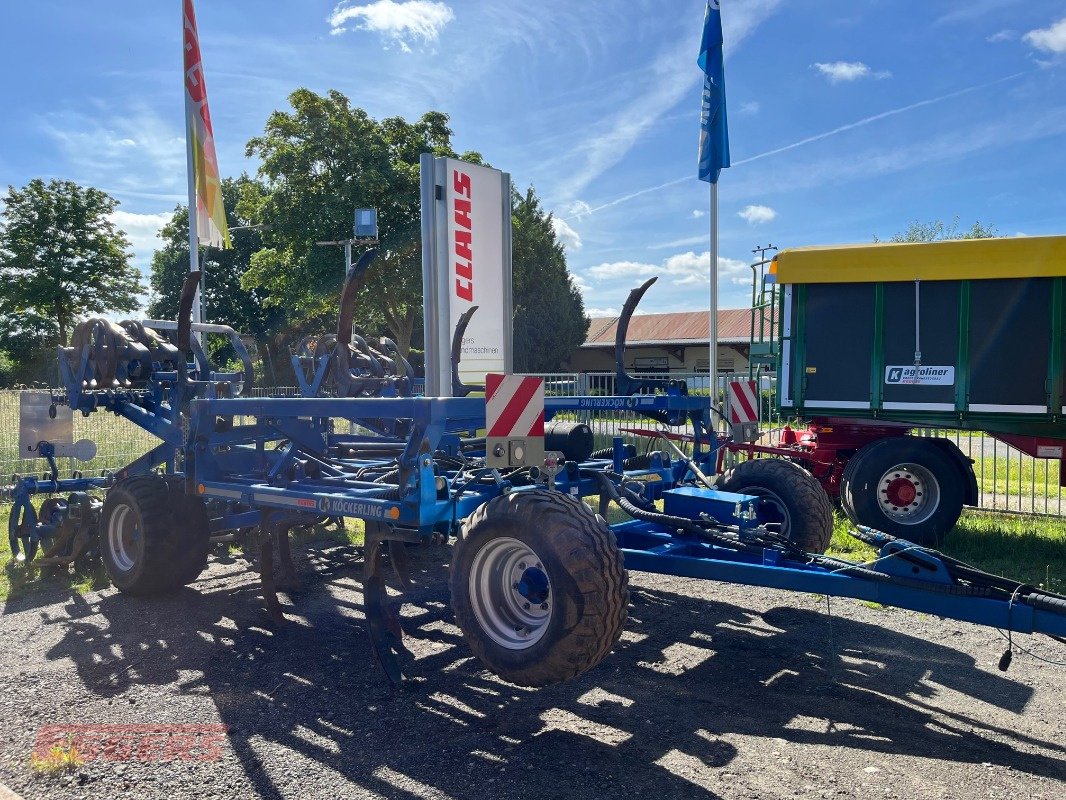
715, 690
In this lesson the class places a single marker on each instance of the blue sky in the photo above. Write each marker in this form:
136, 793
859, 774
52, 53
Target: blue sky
848, 118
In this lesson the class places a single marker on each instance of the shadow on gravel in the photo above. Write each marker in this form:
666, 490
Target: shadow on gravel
687, 673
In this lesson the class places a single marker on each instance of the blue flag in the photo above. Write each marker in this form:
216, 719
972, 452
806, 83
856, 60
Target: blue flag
714, 135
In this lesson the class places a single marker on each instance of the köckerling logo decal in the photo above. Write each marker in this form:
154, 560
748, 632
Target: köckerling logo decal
350, 508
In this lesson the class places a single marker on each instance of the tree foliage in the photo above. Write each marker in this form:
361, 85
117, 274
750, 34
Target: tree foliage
938, 231
226, 300
549, 314
320, 161
61, 257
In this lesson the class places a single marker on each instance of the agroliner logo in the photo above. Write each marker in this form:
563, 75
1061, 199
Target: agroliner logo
911, 375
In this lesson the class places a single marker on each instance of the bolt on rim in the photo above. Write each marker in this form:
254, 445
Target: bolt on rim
908, 493
123, 538
510, 593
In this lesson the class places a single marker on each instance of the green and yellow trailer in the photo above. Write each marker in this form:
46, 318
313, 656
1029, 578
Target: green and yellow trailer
874, 341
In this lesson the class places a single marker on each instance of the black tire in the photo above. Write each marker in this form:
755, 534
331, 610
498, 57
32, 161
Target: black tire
872, 483
791, 498
577, 571
846, 477
153, 539
193, 528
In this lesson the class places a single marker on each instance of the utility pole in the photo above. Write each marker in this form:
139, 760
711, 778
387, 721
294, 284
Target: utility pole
364, 231
762, 250
347, 243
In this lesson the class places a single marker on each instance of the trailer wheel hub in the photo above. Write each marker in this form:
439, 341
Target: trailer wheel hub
908, 493
510, 593
901, 491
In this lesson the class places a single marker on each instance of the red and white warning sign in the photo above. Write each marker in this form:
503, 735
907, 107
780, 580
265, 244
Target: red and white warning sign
514, 420
743, 402
514, 405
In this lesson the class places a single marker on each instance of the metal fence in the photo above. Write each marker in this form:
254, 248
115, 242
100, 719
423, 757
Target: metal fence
118, 442
1008, 480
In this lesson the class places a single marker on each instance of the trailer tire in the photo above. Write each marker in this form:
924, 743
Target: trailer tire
538, 587
905, 486
845, 479
791, 497
152, 540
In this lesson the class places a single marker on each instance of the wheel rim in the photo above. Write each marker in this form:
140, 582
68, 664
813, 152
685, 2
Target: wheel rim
771, 508
124, 538
908, 494
510, 593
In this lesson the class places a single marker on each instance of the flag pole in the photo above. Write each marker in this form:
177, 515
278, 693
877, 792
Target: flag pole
190, 168
713, 158
194, 239
712, 364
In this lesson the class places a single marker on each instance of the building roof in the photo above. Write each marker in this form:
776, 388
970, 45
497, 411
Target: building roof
676, 328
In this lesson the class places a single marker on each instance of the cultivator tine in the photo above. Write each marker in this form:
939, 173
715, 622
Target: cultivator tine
624, 383
459, 389
285, 574
188, 294
266, 572
353, 282
400, 563
386, 635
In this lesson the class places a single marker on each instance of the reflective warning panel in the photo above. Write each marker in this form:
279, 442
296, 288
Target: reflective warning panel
514, 420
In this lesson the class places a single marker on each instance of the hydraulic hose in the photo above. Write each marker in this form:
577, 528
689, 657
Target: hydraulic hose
666, 520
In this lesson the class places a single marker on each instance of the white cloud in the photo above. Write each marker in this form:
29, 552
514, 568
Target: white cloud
578, 209
565, 235
972, 10
136, 153
698, 212
622, 269
141, 229
750, 107
1052, 38
686, 241
757, 214
582, 285
398, 21
844, 71
602, 312
683, 269
1006, 35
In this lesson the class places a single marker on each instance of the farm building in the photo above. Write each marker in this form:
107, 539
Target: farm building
663, 343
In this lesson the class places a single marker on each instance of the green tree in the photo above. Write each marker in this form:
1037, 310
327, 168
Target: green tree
27, 345
61, 256
938, 231
226, 300
549, 314
320, 161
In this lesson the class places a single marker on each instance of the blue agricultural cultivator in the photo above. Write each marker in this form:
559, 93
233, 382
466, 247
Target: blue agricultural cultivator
538, 578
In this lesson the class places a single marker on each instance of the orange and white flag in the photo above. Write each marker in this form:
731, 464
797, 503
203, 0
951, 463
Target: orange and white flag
211, 227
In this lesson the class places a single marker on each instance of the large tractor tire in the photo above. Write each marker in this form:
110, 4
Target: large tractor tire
538, 587
153, 538
791, 499
906, 486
